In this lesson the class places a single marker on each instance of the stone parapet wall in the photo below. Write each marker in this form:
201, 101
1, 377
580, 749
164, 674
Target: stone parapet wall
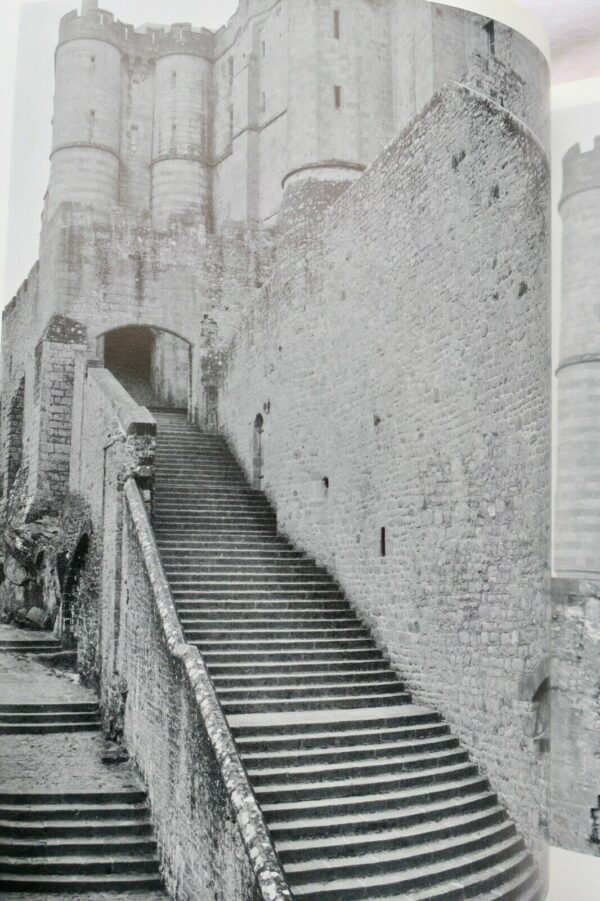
575, 742
405, 391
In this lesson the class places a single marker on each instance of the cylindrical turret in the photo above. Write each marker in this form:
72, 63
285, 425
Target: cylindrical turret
339, 107
577, 516
86, 123
181, 174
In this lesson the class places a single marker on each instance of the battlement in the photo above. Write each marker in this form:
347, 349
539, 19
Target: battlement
149, 41
581, 171
23, 292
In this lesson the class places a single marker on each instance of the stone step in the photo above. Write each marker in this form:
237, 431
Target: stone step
47, 717
483, 869
400, 859
282, 646
42, 830
52, 707
71, 812
289, 656
262, 667
77, 883
336, 754
382, 783
283, 810
308, 579
238, 593
230, 630
339, 740
324, 702
340, 769
343, 722
48, 728
65, 846
425, 817
82, 865
303, 681
43, 646
290, 608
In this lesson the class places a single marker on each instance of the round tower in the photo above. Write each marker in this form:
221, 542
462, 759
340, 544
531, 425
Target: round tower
181, 174
577, 507
339, 106
87, 110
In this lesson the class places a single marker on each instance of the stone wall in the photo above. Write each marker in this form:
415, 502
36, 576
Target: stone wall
400, 358
575, 747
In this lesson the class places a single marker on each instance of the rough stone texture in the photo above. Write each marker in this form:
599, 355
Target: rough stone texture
422, 395
211, 832
575, 713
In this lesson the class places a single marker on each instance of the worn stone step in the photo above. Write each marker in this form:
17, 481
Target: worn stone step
43, 830
316, 690
425, 818
48, 728
483, 869
313, 809
301, 681
288, 655
242, 629
226, 567
396, 859
79, 847
71, 799
353, 753
264, 667
340, 769
206, 611
289, 608
251, 579
71, 812
382, 783
284, 593
77, 883
282, 646
341, 739
82, 865
52, 707
47, 717
324, 702
344, 722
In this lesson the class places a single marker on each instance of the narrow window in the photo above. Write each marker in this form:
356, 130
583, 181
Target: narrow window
264, 49
337, 96
133, 139
490, 30
230, 123
336, 24
92, 65
92, 121
173, 79
230, 64
382, 547
264, 101
173, 134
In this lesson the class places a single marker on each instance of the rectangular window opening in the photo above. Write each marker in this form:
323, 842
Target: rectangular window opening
264, 49
264, 101
382, 547
173, 79
337, 96
336, 24
92, 64
490, 30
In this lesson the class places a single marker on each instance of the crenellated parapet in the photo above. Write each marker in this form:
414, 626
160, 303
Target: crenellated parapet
581, 171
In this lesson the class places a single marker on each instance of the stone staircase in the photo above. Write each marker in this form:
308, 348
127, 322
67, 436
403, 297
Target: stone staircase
19, 719
60, 844
44, 644
366, 795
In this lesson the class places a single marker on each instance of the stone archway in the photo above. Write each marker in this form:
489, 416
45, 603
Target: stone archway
153, 364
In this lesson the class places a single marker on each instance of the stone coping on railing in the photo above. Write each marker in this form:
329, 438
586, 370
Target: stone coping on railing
253, 830
134, 419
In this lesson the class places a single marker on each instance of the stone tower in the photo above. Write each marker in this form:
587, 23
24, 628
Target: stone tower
576, 588
577, 517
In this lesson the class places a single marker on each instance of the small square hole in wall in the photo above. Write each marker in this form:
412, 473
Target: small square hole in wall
337, 96
490, 30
